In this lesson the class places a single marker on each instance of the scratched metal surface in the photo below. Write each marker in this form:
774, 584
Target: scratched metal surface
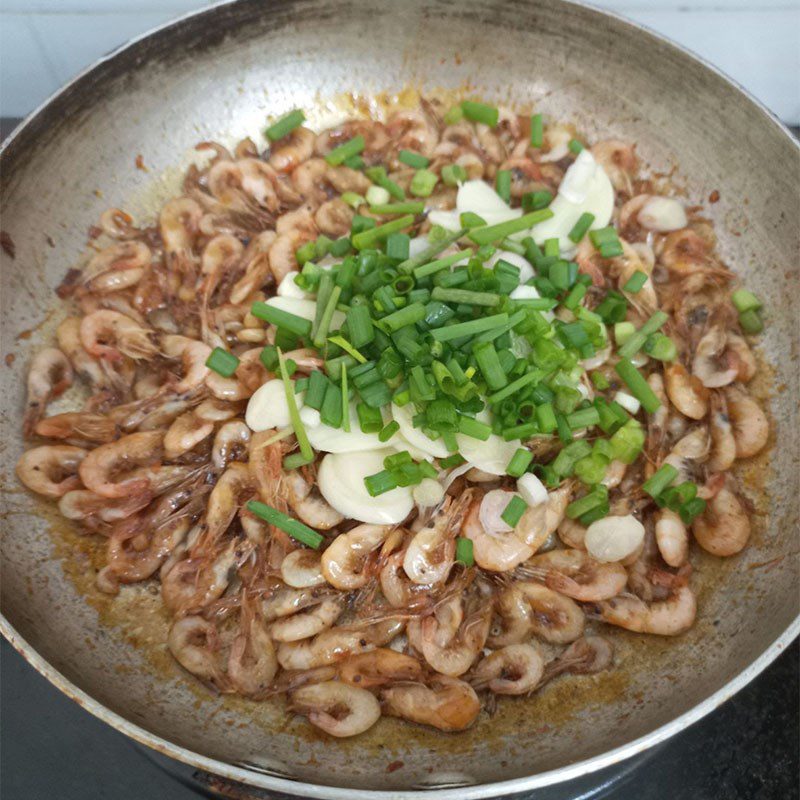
218, 76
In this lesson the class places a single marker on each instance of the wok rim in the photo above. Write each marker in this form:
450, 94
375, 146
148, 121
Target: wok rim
261, 780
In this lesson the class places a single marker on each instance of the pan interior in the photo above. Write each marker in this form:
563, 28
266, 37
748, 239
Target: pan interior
219, 75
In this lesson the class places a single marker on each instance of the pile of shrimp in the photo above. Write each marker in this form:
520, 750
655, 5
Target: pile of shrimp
382, 620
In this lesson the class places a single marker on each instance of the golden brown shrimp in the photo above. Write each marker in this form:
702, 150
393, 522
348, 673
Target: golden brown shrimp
672, 537
255, 266
685, 391
251, 662
49, 375
292, 150
619, 161
379, 667
723, 442
334, 217
344, 562
111, 335
118, 224
587, 655
447, 704
84, 426
577, 575
194, 642
69, 342
52, 469
750, 425
723, 529
663, 618
185, 433
302, 569
117, 267
230, 443
99, 470
311, 507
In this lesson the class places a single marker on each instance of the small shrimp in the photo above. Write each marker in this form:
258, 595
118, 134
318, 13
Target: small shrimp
526, 608
78, 425
179, 223
672, 537
619, 161
110, 335
292, 150
118, 224
194, 643
195, 582
344, 179
577, 575
429, 556
307, 623
334, 217
750, 425
740, 354
557, 502
225, 500
448, 704
572, 533
302, 569
685, 391
413, 130
710, 363
685, 252
310, 179
344, 562
498, 550
379, 667
376, 138
255, 266
282, 258
451, 653
99, 469
50, 375
585, 656
336, 644
117, 267
663, 618
251, 662
69, 342
52, 469
83, 505
193, 355
185, 433
723, 442
230, 443
134, 555
515, 669
723, 529
690, 450
398, 590
336, 708
311, 507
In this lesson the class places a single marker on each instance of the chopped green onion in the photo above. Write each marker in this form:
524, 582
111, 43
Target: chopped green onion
464, 551
409, 315
389, 209
691, 509
371, 237
465, 297
369, 419
430, 253
389, 430
380, 483
377, 196
281, 319
294, 414
295, 460
502, 184
594, 499
514, 387
295, 528
340, 341
546, 418
581, 226
315, 394
456, 460
397, 246
378, 175
480, 112
453, 115
635, 283
751, 322
628, 442
583, 418
353, 200
489, 365
514, 510
412, 159
345, 401
453, 174
354, 162
470, 328
432, 267
222, 362
574, 146
471, 220
327, 315
423, 182
639, 387
474, 428
537, 130
520, 461
744, 300
533, 201
659, 480
285, 125
636, 342
359, 326
660, 347
491, 233
623, 332
345, 151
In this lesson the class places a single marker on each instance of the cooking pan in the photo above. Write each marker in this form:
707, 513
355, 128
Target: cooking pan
218, 75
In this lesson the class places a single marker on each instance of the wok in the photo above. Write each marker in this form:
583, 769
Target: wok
218, 74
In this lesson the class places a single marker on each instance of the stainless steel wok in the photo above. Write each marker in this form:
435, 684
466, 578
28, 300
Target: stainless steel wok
217, 75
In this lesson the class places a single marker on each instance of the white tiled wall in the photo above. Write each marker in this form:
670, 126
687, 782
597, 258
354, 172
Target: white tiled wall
43, 43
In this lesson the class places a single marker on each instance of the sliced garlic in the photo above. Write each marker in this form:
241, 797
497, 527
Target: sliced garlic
614, 538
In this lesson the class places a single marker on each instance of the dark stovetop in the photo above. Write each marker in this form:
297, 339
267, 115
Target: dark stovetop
745, 750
